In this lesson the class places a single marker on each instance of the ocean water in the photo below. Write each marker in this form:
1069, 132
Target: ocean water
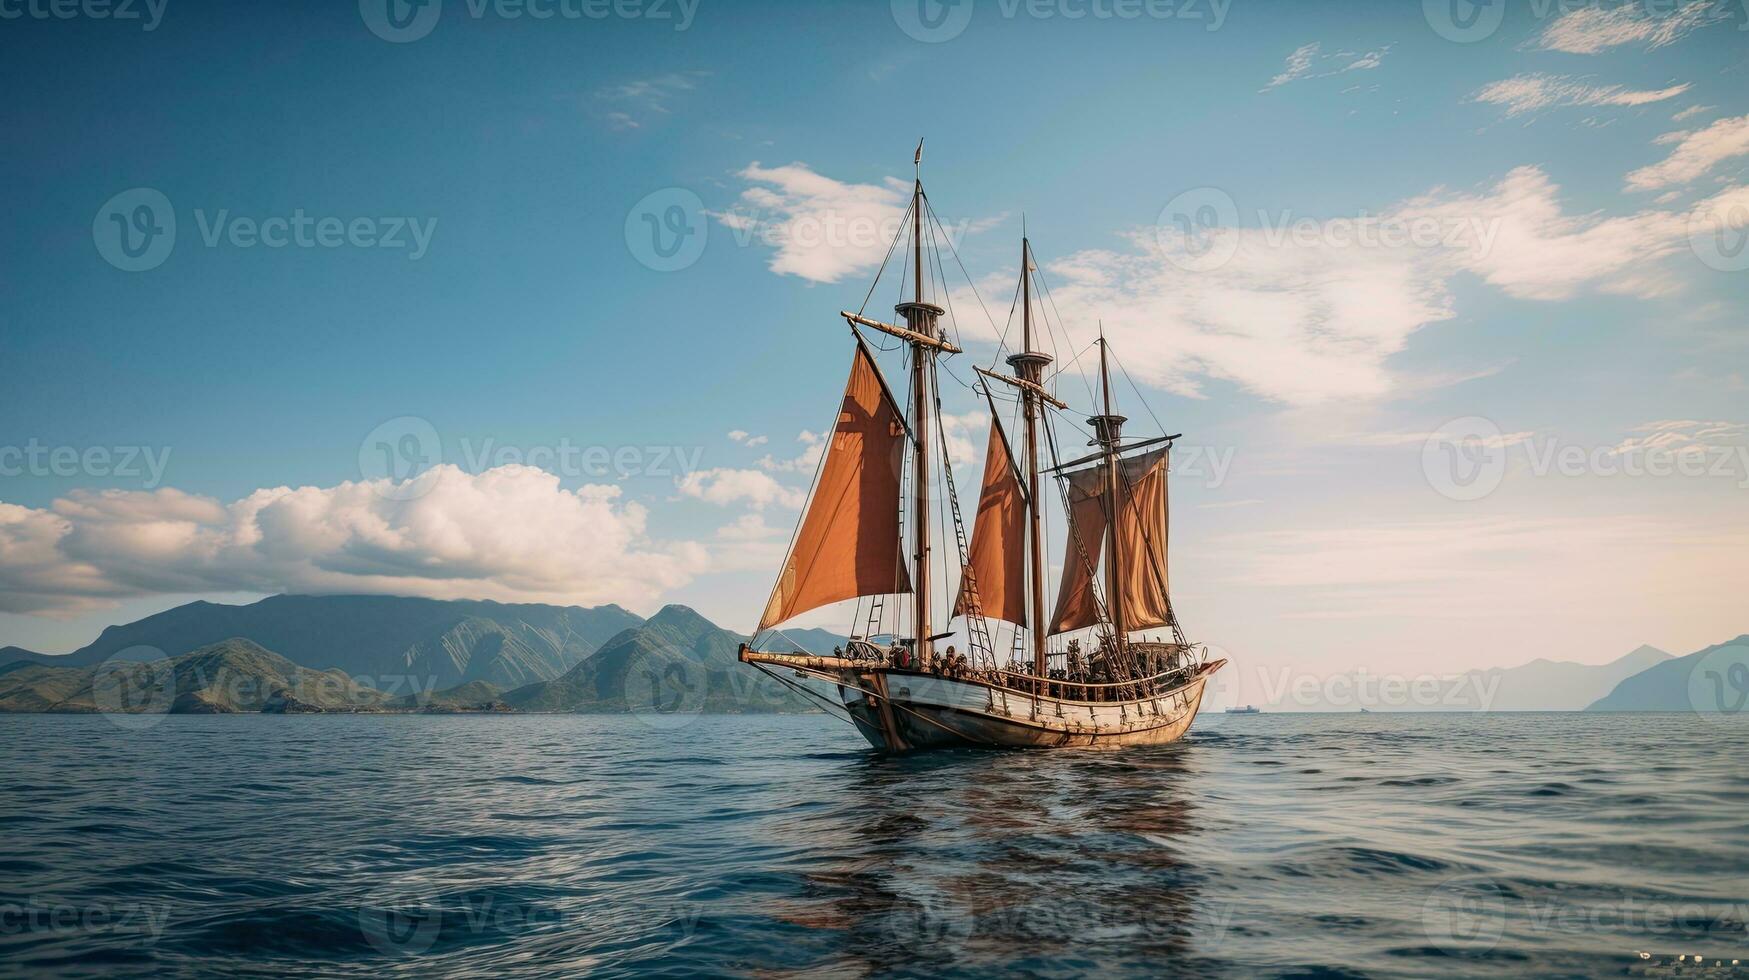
1289, 845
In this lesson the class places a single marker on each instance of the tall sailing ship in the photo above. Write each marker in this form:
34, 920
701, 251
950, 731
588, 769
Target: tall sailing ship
1079, 677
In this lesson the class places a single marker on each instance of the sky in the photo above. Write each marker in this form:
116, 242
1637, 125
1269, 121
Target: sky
1448, 300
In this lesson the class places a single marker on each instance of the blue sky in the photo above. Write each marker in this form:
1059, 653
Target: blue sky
1579, 148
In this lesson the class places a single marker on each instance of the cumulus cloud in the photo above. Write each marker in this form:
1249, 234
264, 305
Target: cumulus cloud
1694, 155
1310, 61
814, 447
1528, 93
726, 486
745, 438
1591, 29
822, 229
510, 533
1303, 312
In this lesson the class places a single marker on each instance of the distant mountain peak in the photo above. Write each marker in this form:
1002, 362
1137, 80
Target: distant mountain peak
683, 619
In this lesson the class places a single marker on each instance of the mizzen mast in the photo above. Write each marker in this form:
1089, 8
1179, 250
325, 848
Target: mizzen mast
1108, 434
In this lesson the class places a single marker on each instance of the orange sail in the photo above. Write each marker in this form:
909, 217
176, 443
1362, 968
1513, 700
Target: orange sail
998, 551
848, 545
1141, 535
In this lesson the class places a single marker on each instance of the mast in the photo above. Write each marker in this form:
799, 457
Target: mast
921, 320
1108, 431
1029, 365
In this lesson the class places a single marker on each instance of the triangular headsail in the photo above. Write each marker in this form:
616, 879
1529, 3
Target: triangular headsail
848, 545
998, 551
1141, 534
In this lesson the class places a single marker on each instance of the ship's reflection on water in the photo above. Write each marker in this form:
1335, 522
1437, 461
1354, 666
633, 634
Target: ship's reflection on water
958, 859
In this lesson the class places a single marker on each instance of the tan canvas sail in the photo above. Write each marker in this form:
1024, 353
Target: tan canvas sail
1141, 532
1076, 606
998, 551
848, 545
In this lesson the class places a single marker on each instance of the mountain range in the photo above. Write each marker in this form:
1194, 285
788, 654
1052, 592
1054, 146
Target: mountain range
404, 655
1715, 679
295, 653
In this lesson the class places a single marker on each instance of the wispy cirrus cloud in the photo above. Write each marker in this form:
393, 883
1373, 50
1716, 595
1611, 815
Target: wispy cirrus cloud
1529, 93
1310, 61
1591, 29
629, 105
1695, 153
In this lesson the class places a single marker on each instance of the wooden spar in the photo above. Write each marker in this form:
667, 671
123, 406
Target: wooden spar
909, 336
1132, 447
1027, 386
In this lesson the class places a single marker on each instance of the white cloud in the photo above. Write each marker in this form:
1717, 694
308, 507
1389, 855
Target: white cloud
803, 463
726, 486
1681, 436
510, 533
1694, 155
822, 229
1692, 111
746, 438
1591, 29
1309, 61
1304, 320
642, 99
1528, 93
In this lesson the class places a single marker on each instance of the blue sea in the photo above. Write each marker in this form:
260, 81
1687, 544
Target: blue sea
1268, 845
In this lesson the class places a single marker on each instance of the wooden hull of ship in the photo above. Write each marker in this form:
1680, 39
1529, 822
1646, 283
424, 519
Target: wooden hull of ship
907, 711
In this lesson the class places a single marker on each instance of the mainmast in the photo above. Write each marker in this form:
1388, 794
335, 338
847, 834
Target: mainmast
1108, 432
1029, 365
921, 319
